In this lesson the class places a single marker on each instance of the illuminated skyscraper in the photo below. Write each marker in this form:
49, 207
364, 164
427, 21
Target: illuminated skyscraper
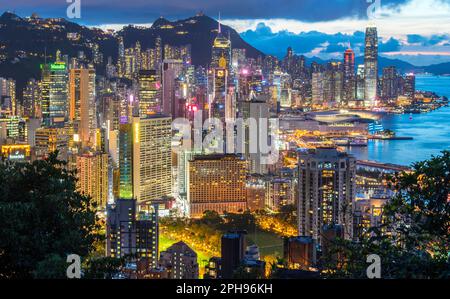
126, 161
349, 76
54, 94
371, 66
82, 110
152, 157
149, 92
409, 89
216, 183
8, 103
221, 49
390, 86
326, 191
92, 174
32, 99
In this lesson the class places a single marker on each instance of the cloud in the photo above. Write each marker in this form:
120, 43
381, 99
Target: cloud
311, 43
141, 10
432, 40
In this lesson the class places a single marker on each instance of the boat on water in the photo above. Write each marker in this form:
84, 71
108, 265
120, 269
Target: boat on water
410, 116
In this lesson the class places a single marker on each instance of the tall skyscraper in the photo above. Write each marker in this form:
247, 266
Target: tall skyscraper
54, 94
216, 183
92, 174
371, 66
149, 92
221, 49
152, 157
126, 160
390, 83
349, 76
82, 111
326, 191
409, 88
32, 99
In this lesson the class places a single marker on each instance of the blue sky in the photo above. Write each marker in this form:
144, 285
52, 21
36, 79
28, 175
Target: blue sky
417, 31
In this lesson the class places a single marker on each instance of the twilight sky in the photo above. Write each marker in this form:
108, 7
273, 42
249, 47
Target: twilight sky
417, 31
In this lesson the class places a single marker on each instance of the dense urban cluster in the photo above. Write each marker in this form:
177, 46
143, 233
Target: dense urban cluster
115, 130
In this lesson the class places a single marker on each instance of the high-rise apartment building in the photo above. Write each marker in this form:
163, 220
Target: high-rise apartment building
326, 191
82, 111
92, 174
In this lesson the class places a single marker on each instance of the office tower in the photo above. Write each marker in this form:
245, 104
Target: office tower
216, 183
8, 102
334, 84
326, 191
32, 99
360, 82
371, 66
288, 61
232, 253
171, 69
152, 157
126, 161
130, 64
299, 252
149, 92
54, 94
238, 58
349, 76
180, 261
409, 88
82, 108
132, 229
390, 84
49, 140
218, 91
221, 49
317, 84
256, 111
92, 175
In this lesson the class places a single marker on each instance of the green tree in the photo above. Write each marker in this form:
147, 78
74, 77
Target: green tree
43, 218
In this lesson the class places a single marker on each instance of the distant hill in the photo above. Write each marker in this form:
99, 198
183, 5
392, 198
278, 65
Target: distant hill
199, 31
24, 41
439, 69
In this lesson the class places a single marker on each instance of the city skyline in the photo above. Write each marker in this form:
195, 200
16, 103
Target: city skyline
188, 150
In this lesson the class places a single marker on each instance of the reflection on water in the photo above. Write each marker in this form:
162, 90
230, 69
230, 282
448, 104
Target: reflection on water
431, 131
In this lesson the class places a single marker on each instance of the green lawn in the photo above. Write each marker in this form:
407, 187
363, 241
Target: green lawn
268, 243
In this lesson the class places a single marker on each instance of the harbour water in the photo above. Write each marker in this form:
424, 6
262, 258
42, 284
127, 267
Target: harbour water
430, 131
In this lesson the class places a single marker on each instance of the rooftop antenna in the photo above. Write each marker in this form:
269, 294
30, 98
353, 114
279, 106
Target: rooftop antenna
220, 29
